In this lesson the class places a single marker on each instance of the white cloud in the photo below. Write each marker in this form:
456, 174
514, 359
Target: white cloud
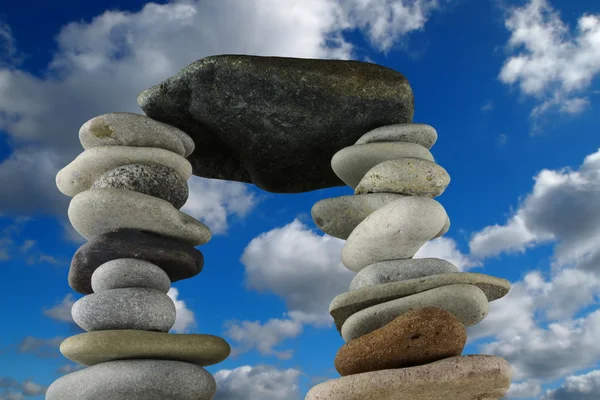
259, 382
579, 387
32, 389
446, 249
62, 311
184, 319
525, 389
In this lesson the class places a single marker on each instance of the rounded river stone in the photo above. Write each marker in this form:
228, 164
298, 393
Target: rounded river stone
178, 259
468, 303
408, 176
422, 134
400, 270
415, 338
129, 272
98, 211
102, 346
135, 380
472, 377
338, 216
351, 164
152, 179
136, 130
125, 308
395, 231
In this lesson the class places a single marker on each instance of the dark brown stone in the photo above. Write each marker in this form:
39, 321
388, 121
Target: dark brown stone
415, 338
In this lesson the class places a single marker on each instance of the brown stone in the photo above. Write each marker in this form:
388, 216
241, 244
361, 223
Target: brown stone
415, 338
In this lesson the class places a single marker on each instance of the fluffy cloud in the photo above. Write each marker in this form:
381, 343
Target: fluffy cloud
580, 387
184, 319
260, 382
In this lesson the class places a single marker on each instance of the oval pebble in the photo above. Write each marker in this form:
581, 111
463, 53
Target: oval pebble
130, 272
423, 134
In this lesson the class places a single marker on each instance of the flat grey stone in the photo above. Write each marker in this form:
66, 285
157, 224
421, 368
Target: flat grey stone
130, 129
152, 179
400, 270
98, 211
348, 303
468, 303
351, 163
338, 216
423, 134
395, 231
408, 176
130, 272
82, 172
126, 308
135, 380
275, 121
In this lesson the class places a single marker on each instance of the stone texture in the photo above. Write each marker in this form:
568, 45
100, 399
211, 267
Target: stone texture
98, 211
127, 308
152, 179
395, 231
468, 303
101, 346
400, 270
274, 121
472, 377
348, 303
82, 172
130, 272
351, 163
408, 176
415, 338
178, 259
135, 380
422, 134
136, 130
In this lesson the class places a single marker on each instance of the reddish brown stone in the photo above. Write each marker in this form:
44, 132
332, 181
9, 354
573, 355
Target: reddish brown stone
414, 338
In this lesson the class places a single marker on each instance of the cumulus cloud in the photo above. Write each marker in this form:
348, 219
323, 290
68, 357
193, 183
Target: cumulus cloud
259, 382
579, 387
185, 319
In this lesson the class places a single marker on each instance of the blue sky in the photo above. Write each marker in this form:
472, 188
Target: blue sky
511, 87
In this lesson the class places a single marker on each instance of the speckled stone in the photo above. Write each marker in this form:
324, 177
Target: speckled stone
152, 179
101, 346
82, 172
423, 134
415, 338
408, 176
136, 130
178, 259
126, 308
348, 303
135, 380
395, 231
472, 377
129, 272
351, 164
98, 211
468, 303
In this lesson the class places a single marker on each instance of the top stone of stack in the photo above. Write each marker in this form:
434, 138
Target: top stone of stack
276, 122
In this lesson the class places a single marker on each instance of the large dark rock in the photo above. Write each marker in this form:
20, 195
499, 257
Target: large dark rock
276, 122
179, 260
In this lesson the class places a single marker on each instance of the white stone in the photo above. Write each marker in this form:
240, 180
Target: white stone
423, 134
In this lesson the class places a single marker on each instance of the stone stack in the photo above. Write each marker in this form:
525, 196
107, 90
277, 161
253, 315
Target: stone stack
127, 188
404, 320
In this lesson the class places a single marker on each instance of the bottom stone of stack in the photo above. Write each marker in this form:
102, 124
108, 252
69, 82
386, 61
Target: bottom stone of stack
135, 380
472, 377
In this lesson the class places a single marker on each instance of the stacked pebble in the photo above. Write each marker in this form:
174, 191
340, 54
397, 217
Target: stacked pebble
127, 188
404, 320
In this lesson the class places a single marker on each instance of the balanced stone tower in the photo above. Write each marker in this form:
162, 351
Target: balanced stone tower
286, 125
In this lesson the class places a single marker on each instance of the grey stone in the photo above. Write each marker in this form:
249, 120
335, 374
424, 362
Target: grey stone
423, 134
130, 272
351, 163
152, 179
338, 216
468, 303
126, 308
400, 270
346, 304
137, 130
445, 229
98, 211
135, 380
408, 176
178, 259
395, 231
82, 172
274, 121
